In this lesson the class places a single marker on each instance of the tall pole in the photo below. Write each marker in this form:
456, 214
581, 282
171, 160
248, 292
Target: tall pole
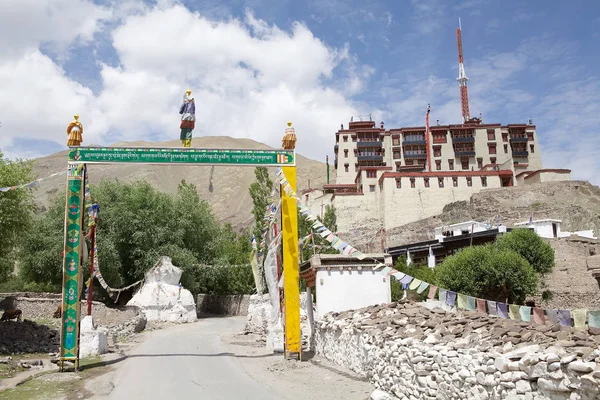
291, 273
327, 162
462, 76
427, 139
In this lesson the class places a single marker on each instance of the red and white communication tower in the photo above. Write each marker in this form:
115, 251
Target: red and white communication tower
462, 77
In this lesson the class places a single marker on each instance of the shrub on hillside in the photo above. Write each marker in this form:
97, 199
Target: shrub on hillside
531, 247
488, 272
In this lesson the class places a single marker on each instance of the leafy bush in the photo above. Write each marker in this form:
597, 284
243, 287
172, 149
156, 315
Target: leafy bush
489, 272
137, 224
16, 211
531, 247
236, 279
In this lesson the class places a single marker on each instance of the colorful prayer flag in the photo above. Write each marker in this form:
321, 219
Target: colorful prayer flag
462, 301
471, 303
513, 311
538, 315
579, 317
451, 298
481, 305
502, 310
432, 291
415, 284
525, 313
422, 287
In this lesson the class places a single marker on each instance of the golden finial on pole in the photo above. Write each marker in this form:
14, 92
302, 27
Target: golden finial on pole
289, 139
75, 130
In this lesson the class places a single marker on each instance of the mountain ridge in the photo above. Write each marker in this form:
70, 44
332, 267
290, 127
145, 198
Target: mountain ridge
225, 188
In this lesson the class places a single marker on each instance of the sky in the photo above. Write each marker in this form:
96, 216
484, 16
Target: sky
252, 65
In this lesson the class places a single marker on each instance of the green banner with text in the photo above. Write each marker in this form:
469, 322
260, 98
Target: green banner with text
72, 270
166, 155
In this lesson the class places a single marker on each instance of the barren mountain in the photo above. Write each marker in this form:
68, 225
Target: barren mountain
225, 188
576, 203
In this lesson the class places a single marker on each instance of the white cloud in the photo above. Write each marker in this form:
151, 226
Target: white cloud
248, 79
24, 24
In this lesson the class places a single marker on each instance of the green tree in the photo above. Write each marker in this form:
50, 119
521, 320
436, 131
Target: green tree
260, 191
137, 224
531, 247
42, 248
16, 210
488, 272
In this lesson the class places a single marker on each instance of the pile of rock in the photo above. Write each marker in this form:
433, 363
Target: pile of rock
27, 337
416, 353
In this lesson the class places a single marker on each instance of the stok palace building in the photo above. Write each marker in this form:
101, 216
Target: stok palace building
388, 178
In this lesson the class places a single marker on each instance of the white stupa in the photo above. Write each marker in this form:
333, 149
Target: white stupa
162, 298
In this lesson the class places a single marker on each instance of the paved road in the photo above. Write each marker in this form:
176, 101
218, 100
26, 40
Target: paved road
187, 362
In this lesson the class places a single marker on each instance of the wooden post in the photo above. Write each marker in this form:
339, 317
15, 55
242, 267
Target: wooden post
291, 274
289, 240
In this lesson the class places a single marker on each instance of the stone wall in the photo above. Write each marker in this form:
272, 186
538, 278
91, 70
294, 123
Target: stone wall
229, 305
414, 353
38, 308
571, 282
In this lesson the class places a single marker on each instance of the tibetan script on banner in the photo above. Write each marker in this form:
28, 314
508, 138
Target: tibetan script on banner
165, 155
72, 270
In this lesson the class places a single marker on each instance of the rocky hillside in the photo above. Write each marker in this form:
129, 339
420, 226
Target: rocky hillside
225, 188
576, 203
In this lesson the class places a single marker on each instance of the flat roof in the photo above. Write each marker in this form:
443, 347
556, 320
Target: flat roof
538, 220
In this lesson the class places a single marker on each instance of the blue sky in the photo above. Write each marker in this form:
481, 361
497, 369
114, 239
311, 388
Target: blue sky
252, 65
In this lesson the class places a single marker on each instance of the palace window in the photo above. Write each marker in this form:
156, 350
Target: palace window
505, 149
396, 155
426, 181
451, 165
491, 133
346, 167
397, 167
530, 136
480, 163
395, 140
455, 181
492, 148
493, 160
441, 182
532, 148
483, 181
398, 183
469, 181
371, 174
439, 138
412, 183
438, 165
345, 138
408, 162
371, 188
505, 137
346, 153
465, 163
437, 151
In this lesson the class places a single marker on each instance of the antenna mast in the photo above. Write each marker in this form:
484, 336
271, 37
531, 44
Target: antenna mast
462, 77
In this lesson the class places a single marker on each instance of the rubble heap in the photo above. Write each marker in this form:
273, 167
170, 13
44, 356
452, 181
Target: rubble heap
415, 353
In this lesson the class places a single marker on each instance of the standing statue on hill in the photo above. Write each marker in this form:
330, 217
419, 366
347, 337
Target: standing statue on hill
188, 118
75, 130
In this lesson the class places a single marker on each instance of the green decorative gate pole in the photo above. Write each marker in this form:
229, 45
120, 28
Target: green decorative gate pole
69, 333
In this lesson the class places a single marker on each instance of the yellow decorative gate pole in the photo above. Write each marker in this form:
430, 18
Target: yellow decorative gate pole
291, 274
